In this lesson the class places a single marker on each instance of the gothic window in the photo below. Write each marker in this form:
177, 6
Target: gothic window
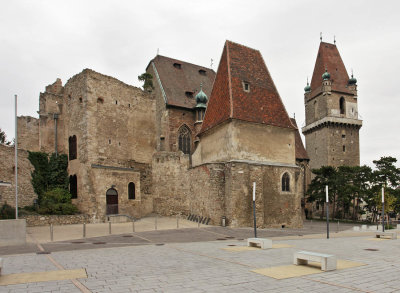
72, 147
131, 190
342, 106
184, 139
73, 186
286, 182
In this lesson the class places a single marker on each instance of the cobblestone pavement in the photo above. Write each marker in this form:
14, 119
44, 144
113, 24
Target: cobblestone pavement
201, 265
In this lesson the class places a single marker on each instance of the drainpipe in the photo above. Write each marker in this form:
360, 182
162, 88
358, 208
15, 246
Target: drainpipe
55, 116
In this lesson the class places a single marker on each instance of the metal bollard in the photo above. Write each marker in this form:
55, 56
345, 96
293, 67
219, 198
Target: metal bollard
84, 230
338, 226
177, 222
198, 222
51, 232
133, 226
155, 222
109, 227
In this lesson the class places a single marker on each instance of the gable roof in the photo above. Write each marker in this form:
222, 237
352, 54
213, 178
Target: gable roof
329, 57
177, 81
300, 151
229, 100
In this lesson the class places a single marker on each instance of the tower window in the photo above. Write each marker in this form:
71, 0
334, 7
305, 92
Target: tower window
285, 182
184, 139
72, 147
131, 191
100, 100
342, 103
177, 65
202, 72
343, 135
73, 186
246, 86
116, 102
189, 94
344, 148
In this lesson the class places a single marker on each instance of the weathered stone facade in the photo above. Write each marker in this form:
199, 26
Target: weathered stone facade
26, 195
130, 156
45, 220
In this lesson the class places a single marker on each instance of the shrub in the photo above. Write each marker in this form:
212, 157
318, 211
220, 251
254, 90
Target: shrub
7, 212
57, 202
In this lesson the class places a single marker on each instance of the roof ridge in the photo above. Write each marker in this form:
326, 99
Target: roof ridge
247, 47
189, 63
229, 79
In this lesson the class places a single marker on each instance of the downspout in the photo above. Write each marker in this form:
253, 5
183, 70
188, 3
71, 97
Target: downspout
55, 116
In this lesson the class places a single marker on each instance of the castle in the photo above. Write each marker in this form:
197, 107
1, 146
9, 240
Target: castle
194, 144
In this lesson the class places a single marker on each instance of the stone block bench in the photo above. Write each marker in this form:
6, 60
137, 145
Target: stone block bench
392, 235
328, 262
263, 243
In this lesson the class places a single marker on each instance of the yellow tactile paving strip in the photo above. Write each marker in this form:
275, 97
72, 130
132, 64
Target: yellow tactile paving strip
378, 239
247, 248
35, 277
292, 271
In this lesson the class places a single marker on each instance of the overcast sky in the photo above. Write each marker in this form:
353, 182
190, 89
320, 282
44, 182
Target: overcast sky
45, 40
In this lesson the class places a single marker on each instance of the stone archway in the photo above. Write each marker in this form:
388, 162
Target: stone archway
112, 201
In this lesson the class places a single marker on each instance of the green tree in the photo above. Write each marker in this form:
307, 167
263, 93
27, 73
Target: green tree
147, 78
49, 173
3, 138
57, 201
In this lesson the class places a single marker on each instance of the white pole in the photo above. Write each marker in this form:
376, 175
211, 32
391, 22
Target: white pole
326, 193
254, 191
383, 194
16, 160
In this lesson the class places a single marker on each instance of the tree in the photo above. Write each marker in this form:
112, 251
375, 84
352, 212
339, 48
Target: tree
49, 173
3, 138
148, 81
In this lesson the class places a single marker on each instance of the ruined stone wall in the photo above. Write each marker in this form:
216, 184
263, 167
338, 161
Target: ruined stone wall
28, 133
26, 195
50, 109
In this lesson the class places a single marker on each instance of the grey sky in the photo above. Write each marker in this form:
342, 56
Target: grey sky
43, 40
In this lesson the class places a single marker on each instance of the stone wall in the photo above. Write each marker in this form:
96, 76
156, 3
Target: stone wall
28, 133
225, 189
45, 220
26, 195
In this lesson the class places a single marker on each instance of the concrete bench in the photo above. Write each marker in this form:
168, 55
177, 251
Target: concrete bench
263, 243
392, 235
328, 262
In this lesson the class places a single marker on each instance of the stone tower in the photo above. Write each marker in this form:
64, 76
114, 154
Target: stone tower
332, 123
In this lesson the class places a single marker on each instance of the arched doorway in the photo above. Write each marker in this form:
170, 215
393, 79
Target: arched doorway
112, 201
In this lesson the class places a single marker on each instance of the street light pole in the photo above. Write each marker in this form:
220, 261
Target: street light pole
383, 209
327, 212
16, 159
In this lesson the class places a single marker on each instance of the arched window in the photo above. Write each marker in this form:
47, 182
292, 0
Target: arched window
131, 190
72, 147
285, 182
184, 139
342, 103
73, 186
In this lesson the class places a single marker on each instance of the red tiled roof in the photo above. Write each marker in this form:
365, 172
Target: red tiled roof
301, 153
228, 100
176, 82
329, 57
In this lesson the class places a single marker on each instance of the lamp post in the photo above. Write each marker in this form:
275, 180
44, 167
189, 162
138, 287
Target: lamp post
327, 211
254, 209
383, 209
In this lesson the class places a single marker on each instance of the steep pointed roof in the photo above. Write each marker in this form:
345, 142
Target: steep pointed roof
179, 78
300, 151
229, 99
328, 57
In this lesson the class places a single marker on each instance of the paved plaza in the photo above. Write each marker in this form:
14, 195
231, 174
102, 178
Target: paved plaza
205, 259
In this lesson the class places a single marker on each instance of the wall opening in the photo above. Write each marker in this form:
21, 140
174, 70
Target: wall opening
342, 105
184, 139
72, 147
131, 191
112, 201
285, 182
73, 186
